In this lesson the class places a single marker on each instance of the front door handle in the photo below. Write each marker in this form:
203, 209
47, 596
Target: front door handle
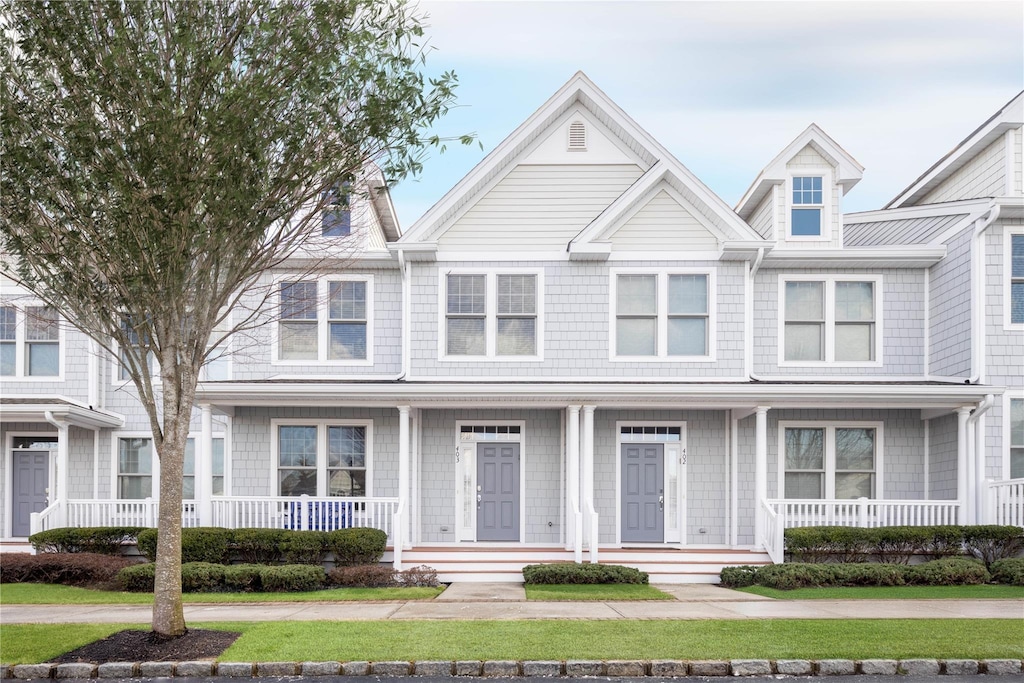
479, 499
661, 502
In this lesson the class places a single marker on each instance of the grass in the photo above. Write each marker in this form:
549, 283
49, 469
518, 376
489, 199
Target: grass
891, 592
606, 591
50, 594
560, 639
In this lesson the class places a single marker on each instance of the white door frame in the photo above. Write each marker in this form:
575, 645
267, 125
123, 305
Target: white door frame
675, 466
51, 473
465, 475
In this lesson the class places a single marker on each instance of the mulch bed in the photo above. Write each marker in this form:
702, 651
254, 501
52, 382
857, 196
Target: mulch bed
145, 646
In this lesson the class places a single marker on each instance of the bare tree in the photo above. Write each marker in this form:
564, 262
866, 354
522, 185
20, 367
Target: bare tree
157, 157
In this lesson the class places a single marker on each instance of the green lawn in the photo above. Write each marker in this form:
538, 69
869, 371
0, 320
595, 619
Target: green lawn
604, 591
49, 594
891, 592
629, 639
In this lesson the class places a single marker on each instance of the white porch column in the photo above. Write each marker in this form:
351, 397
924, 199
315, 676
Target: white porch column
962, 443
59, 489
587, 467
403, 481
760, 472
574, 527
204, 467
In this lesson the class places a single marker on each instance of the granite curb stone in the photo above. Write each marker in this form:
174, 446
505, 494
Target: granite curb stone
116, 670
667, 668
545, 668
157, 669
709, 667
26, 671
797, 667
198, 668
750, 667
390, 668
503, 668
584, 667
625, 667
434, 668
277, 668
962, 667
469, 668
234, 669
919, 667
878, 667
1002, 667
355, 668
837, 667
320, 668
75, 670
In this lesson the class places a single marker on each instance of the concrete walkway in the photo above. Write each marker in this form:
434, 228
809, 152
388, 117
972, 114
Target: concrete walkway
470, 601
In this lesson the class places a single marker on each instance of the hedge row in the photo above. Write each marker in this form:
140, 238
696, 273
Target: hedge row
897, 544
71, 569
213, 544
949, 571
570, 572
209, 577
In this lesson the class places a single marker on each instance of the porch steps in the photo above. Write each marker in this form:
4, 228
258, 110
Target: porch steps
15, 547
664, 565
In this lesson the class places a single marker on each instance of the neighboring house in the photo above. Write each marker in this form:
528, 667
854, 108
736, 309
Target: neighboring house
582, 353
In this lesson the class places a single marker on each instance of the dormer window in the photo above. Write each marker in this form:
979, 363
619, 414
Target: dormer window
337, 215
808, 205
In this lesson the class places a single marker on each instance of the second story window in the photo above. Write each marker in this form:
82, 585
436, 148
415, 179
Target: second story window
29, 342
337, 214
662, 315
327, 320
492, 315
808, 205
1016, 293
123, 372
830, 320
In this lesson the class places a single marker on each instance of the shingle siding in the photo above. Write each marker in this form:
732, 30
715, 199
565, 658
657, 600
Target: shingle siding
942, 458
982, 176
950, 314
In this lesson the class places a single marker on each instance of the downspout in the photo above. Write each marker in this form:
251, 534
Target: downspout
755, 266
976, 456
978, 321
403, 267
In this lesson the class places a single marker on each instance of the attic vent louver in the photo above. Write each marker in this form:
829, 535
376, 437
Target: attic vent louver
577, 136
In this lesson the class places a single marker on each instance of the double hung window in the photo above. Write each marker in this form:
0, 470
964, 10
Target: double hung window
808, 207
662, 314
1016, 438
29, 342
831, 320
137, 476
831, 462
135, 339
188, 484
327, 320
493, 314
337, 214
1016, 282
322, 459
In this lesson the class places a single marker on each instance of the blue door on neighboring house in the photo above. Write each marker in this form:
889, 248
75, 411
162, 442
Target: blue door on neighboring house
497, 479
643, 493
30, 479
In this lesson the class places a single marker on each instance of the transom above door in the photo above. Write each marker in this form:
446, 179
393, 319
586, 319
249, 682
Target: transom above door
489, 495
651, 479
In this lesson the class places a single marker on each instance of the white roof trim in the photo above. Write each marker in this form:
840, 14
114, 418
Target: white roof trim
923, 211
1010, 116
67, 410
902, 256
848, 170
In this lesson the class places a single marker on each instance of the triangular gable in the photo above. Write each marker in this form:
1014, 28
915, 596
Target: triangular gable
848, 170
1011, 115
579, 92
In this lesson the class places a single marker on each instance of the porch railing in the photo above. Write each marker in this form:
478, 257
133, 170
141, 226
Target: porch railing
1005, 502
865, 512
771, 532
304, 513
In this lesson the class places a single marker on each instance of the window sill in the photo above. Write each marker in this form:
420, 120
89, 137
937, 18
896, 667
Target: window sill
484, 359
831, 364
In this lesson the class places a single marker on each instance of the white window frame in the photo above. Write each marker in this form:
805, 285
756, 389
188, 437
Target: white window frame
465, 475
826, 203
830, 428
490, 314
21, 344
1008, 233
197, 445
323, 322
830, 320
674, 529
661, 326
116, 367
115, 472
1010, 395
321, 452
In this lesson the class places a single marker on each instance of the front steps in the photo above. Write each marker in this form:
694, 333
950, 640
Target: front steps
470, 562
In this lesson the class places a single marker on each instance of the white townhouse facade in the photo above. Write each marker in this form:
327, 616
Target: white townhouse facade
582, 353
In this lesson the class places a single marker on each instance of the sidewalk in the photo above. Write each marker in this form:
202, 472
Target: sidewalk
507, 601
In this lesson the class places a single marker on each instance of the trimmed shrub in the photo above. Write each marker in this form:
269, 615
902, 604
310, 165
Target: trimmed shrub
568, 572
258, 546
990, 542
102, 540
950, 571
867, 574
202, 577
897, 544
1009, 570
69, 569
138, 578
419, 577
243, 578
828, 543
945, 541
199, 544
795, 575
356, 546
738, 577
304, 547
292, 577
363, 576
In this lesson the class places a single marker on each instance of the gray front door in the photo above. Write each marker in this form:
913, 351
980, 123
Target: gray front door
29, 481
497, 483
643, 493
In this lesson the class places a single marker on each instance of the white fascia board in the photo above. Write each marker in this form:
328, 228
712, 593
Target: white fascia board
79, 416
970, 206
1010, 116
744, 250
902, 256
415, 251
559, 394
589, 251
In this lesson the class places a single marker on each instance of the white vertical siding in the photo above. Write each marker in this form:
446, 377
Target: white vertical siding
538, 208
982, 176
662, 224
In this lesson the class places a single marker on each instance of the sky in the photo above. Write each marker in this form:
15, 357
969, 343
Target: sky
726, 85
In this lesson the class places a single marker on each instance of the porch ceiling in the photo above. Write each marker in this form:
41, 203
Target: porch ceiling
665, 395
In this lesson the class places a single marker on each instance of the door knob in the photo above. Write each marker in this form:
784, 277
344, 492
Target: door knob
661, 502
